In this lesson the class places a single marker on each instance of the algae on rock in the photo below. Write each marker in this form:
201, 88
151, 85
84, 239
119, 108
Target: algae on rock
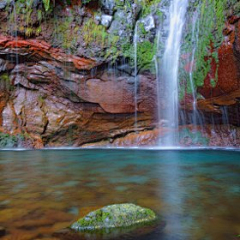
115, 216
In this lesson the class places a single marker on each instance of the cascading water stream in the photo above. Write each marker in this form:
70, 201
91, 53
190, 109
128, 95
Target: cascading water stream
192, 56
135, 41
15, 35
169, 72
197, 119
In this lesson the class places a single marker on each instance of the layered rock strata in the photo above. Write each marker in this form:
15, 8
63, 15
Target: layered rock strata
56, 99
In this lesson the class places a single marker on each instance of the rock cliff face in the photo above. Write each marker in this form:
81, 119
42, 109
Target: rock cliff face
226, 91
64, 100
61, 91
223, 100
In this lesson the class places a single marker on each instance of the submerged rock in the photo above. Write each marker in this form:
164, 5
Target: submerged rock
115, 216
2, 231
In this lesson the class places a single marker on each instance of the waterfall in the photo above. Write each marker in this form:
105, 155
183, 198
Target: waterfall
14, 33
192, 56
168, 109
135, 41
196, 119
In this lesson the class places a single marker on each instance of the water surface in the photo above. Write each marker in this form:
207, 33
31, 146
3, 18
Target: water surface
196, 193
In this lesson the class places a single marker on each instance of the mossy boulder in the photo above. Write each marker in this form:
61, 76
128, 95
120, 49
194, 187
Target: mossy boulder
115, 216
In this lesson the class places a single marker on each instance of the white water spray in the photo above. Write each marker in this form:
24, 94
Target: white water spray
135, 41
169, 72
192, 57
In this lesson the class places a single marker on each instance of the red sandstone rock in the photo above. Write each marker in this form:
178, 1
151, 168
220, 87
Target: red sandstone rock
215, 135
58, 106
35, 48
229, 66
213, 104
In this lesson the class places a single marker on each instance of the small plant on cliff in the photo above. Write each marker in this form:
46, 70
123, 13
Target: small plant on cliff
5, 82
7, 140
67, 32
46, 4
194, 138
86, 1
94, 34
148, 6
24, 12
145, 54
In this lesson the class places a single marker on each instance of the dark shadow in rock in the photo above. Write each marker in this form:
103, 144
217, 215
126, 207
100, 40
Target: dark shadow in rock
139, 232
2, 231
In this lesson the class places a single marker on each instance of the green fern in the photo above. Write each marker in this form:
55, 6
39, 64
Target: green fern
46, 4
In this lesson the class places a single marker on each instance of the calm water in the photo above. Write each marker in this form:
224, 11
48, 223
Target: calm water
197, 193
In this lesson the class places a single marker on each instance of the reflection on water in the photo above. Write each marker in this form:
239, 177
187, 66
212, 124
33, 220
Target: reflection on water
197, 193
173, 195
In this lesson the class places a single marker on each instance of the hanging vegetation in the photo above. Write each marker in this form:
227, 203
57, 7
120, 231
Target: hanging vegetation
46, 4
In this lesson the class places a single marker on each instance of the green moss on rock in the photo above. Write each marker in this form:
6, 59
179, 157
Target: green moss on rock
194, 138
9, 141
114, 216
212, 19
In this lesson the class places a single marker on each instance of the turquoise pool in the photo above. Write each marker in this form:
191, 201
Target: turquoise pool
196, 193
